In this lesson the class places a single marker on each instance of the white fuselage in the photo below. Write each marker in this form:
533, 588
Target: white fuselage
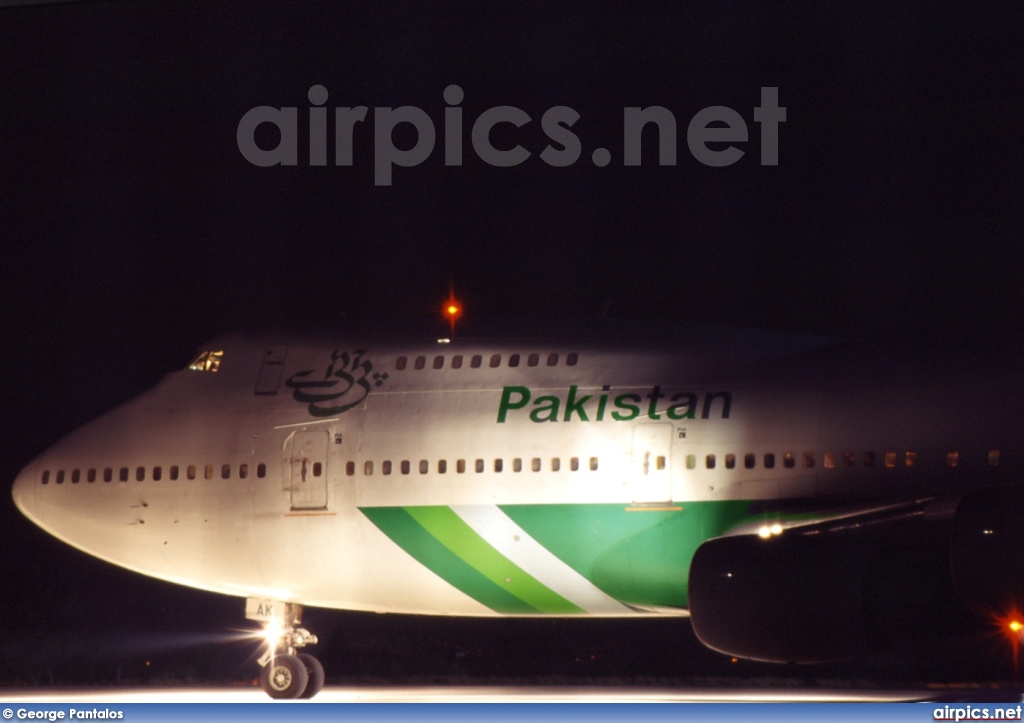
550, 477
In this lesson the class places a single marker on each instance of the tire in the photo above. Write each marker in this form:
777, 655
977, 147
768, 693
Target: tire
284, 677
315, 671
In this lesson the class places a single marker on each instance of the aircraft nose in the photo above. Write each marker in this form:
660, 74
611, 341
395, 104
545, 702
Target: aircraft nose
24, 491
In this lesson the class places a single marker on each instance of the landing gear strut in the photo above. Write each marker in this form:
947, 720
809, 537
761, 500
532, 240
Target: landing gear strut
286, 673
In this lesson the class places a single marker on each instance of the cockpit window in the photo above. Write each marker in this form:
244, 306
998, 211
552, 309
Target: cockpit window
208, 361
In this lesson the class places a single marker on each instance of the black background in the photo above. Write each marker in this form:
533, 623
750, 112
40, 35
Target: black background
133, 230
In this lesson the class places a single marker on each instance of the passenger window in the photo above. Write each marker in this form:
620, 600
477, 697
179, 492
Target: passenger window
513, 361
400, 363
593, 464
421, 361
479, 466
533, 360
495, 360
438, 362
225, 471
442, 466
993, 458
457, 361
789, 460
243, 471
517, 465
911, 459
890, 459
318, 469
350, 469
140, 474
173, 472
158, 473
830, 460
730, 461
405, 466
385, 467
368, 468
659, 462
460, 466
535, 464
952, 459
476, 361
191, 471
91, 476
556, 464
769, 460
691, 461
123, 474
261, 470
574, 463
749, 460
869, 459
709, 461
848, 459
424, 466
108, 474
572, 359
208, 471
498, 464
46, 477
75, 476
60, 477
552, 360
808, 459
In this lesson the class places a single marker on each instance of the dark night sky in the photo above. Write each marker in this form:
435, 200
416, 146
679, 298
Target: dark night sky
133, 229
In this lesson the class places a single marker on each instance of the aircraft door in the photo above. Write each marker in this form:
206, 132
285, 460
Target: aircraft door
270, 369
652, 476
307, 462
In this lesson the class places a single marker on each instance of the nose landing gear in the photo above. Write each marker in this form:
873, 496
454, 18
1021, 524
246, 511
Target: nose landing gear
286, 673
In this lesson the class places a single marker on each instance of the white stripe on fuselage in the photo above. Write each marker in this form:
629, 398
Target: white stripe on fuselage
511, 540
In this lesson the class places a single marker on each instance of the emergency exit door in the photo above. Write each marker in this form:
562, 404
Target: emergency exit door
652, 476
308, 470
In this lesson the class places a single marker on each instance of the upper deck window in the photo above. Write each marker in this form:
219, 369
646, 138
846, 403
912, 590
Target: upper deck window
208, 361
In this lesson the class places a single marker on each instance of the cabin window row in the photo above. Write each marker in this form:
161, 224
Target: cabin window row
476, 361
830, 460
139, 474
517, 464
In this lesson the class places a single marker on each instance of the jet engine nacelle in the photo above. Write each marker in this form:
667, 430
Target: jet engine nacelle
987, 552
822, 595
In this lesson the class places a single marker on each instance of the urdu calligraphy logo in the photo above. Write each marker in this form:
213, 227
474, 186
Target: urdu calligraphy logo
346, 383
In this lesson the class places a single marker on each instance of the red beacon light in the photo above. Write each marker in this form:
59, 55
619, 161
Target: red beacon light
452, 311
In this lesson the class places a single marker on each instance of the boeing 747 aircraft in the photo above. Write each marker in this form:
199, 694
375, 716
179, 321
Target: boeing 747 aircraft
799, 499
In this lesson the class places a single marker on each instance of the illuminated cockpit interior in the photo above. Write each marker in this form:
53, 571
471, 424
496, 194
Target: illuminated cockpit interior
208, 361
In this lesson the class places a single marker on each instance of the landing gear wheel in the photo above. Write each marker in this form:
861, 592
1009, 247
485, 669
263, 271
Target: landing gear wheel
315, 671
285, 676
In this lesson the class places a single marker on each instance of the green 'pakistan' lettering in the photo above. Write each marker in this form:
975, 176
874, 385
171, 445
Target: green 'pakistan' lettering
624, 407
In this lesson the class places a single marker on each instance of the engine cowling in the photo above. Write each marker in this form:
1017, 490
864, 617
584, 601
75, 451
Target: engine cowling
987, 552
822, 595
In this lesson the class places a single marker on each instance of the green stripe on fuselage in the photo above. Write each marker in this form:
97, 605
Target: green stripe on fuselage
408, 534
444, 543
639, 557
452, 532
